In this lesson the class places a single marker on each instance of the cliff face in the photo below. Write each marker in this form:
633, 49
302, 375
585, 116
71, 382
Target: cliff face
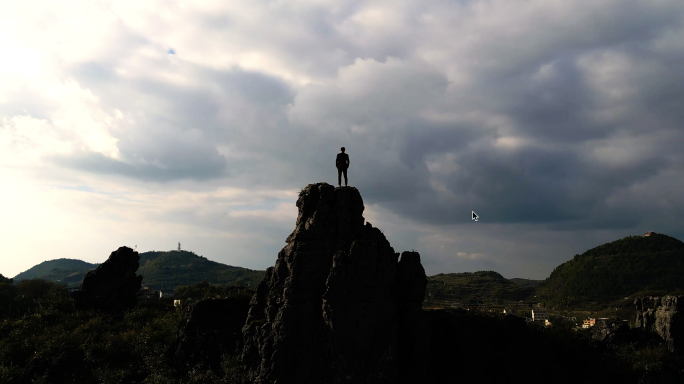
338, 303
662, 315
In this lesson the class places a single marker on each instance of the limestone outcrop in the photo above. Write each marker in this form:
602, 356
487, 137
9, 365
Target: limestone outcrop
662, 315
214, 327
111, 286
611, 331
338, 306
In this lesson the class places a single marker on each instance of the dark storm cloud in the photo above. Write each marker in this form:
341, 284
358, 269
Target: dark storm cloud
198, 165
569, 161
524, 123
550, 110
524, 186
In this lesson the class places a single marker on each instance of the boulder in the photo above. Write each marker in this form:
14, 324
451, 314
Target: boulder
111, 286
335, 307
611, 331
214, 327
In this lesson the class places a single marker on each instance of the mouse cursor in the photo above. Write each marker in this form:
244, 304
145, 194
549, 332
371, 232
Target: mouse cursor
475, 217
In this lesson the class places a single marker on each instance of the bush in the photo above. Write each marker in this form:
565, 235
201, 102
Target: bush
205, 290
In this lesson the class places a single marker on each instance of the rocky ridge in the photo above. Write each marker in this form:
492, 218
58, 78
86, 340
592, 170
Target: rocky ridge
339, 306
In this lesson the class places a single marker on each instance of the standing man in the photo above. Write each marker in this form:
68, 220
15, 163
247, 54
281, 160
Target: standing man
342, 163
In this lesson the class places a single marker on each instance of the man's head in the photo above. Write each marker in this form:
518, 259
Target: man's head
342, 149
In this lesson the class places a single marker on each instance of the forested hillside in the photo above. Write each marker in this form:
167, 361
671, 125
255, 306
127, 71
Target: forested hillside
490, 286
175, 268
63, 271
618, 269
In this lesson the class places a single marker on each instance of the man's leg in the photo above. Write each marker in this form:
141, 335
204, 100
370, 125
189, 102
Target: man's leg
345, 176
339, 177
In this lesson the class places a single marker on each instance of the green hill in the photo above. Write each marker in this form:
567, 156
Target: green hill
489, 286
615, 270
159, 270
175, 268
64, 271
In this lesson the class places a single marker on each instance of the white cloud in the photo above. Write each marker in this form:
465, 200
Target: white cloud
74, 123
563, 116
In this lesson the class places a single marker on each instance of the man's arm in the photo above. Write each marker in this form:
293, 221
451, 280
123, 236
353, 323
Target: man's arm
347, 161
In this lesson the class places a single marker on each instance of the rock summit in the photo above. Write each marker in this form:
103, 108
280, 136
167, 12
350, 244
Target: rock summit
339, 305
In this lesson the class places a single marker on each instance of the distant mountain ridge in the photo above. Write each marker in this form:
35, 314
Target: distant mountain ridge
618, 269
607, 272
166, 270
489, 286
64, 271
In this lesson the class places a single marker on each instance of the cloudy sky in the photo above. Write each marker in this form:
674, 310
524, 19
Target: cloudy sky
148, 123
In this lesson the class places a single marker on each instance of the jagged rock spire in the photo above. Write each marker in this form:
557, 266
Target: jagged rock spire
330, 309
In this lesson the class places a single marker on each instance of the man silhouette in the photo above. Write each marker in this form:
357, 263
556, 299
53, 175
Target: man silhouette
342, 163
